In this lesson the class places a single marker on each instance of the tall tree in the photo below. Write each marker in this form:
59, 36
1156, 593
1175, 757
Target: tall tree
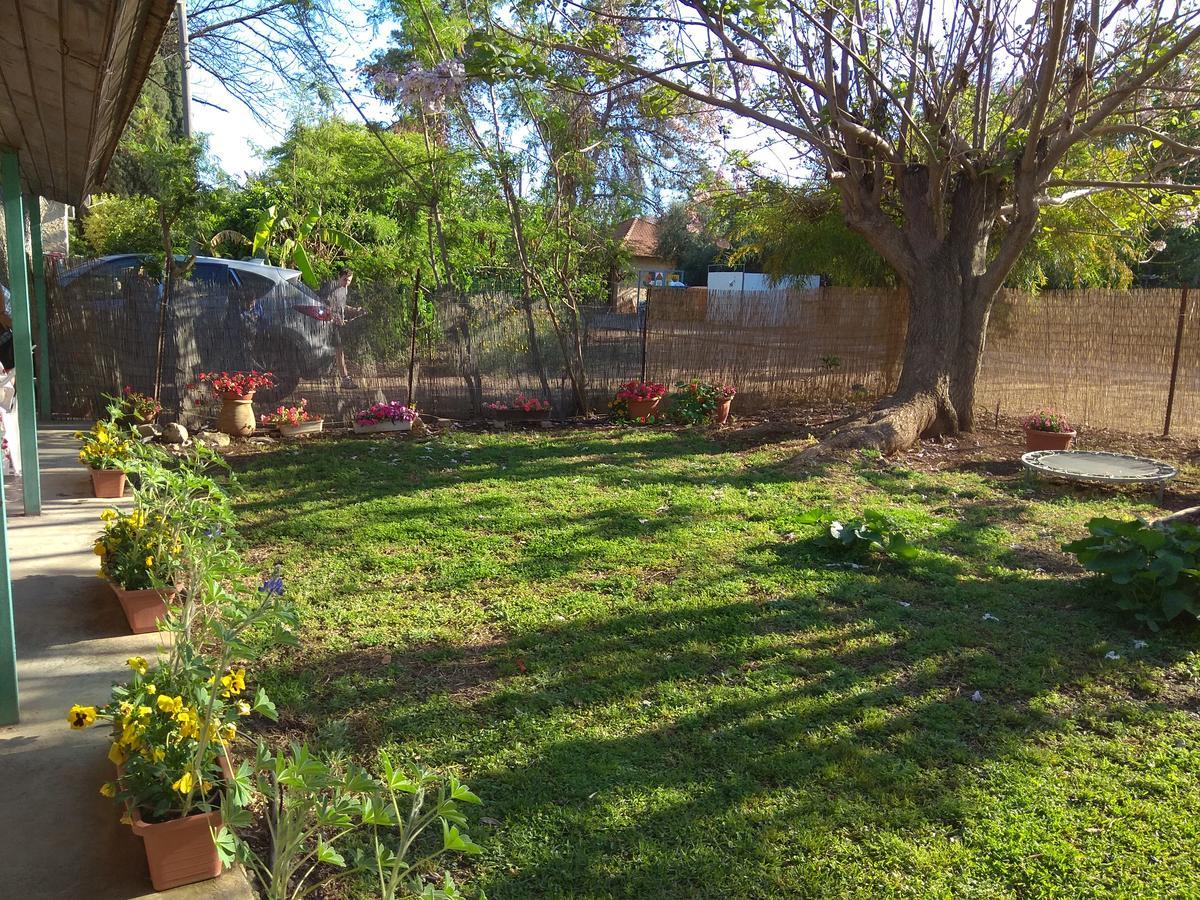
945, 128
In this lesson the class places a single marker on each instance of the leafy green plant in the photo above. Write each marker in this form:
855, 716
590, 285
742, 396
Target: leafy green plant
311, 808
1156, 568
394, 831
859, 538
695, 402
314, 806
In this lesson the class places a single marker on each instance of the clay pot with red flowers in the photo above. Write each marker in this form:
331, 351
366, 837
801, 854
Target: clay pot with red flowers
1047, 430
639, 399
236, 390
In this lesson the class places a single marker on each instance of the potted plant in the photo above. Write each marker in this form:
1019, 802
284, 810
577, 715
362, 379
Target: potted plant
391, 416
293, 421
519, 409
105, 452
697, 402
172, 727
136, 408
639, 399
236, 390
140, 556
1047, 430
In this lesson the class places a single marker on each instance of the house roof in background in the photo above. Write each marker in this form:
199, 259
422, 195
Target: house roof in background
639, 235
70, 74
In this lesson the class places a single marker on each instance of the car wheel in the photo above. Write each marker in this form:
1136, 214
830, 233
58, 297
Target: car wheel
281, 359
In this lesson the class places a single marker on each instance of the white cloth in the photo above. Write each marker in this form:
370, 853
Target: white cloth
10, 435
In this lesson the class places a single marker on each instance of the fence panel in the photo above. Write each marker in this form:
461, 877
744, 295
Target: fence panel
1101, 356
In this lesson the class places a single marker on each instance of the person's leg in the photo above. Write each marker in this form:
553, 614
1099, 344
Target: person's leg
340, 356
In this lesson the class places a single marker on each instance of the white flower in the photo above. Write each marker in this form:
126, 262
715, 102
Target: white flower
1112, 654
977, 697
1158, 246
988, 617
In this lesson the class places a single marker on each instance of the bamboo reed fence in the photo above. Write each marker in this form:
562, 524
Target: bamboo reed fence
1102, 357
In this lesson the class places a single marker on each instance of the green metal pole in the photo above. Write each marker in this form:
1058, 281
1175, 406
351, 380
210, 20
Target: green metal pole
9, 709
39, 296
14, 221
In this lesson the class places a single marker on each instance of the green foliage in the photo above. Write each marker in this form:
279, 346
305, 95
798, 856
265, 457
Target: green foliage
116, 224
315, 807
1154, 569
695, 402
859, 538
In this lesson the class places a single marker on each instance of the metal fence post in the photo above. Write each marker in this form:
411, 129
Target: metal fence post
1183, 300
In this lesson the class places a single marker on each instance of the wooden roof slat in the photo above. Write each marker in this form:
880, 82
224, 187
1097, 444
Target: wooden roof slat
70, 74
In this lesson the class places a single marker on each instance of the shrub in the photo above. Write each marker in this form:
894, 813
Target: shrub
235, 384
1155, 568
519, 403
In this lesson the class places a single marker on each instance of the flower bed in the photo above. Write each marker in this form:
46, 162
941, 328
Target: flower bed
519, 409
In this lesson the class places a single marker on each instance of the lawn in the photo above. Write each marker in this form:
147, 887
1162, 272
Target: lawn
661, 687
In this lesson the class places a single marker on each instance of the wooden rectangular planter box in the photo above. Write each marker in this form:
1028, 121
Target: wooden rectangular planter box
381, 427
143, 608
291, 431
516, 415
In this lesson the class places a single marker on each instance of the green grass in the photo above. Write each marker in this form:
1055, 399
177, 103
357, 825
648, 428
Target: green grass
657, 691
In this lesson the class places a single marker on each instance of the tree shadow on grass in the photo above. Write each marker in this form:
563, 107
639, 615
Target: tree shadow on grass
749, 748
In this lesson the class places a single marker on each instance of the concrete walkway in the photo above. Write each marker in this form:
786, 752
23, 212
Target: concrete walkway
62, 839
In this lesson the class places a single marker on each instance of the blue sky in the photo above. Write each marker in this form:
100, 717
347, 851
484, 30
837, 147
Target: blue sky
235, 137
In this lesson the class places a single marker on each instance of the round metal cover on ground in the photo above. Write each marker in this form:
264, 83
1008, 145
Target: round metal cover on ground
1098, 466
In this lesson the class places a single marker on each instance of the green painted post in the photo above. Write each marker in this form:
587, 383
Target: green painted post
39, 296
14, 221
9, 709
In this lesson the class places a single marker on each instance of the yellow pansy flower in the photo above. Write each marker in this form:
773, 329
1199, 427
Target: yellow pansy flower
151, 690
81, 716
138, 664
108, 515
170, 705
243, 708
149, 562
184, 784
108, 789
158, 754
117, 755
229, 731
98, 548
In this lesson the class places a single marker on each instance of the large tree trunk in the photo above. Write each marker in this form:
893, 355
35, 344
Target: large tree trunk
935, 396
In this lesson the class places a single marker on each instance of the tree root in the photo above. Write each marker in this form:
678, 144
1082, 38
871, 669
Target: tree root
889, 429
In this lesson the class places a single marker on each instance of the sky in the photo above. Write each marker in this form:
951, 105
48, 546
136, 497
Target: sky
235, 137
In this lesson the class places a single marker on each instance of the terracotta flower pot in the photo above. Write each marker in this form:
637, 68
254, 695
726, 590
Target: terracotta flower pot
721, 413
237, 415
1048, 440
313, 426
181, 851
640, 408
108, 483
143, 608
